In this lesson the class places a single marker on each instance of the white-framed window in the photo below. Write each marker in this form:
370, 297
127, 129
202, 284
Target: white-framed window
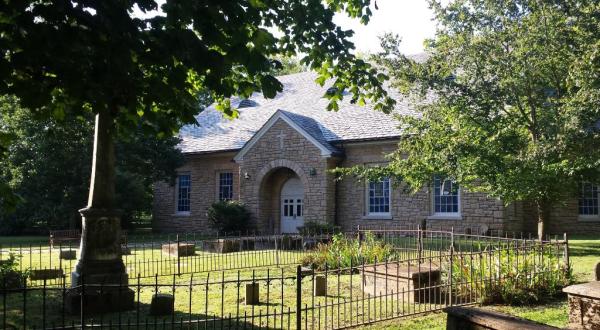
589, 200
184, 184
225, 186
379, 197
446, 197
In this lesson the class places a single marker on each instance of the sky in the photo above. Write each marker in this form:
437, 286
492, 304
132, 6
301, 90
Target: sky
411, 19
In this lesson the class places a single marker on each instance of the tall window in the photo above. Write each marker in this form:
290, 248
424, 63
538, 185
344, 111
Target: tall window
226, 186
379, 197
183, 193
589, 199
446, 197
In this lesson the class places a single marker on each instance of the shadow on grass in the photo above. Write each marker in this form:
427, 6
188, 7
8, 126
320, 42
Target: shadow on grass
44, 309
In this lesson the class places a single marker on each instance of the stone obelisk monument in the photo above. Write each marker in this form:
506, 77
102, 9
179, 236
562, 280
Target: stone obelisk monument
100, 268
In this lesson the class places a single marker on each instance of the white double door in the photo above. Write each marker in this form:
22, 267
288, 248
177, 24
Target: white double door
292, 206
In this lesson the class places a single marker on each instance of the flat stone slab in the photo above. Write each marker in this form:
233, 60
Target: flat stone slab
590, 289
179, 249
584, 305
413, 282
45, 274
68, 254
228, 245
468, 318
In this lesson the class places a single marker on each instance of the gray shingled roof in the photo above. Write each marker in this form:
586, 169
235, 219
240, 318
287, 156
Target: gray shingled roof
302, 100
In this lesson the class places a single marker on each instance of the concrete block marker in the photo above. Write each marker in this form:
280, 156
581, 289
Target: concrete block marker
162, 304
252, 294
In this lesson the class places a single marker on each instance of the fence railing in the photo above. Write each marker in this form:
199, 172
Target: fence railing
431, 270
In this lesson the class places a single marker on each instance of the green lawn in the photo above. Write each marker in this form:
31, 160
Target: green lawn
584, 253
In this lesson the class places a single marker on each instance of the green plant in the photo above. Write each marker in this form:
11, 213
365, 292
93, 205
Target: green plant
509, 276
10, 275
343, 252
229, 216
318, 227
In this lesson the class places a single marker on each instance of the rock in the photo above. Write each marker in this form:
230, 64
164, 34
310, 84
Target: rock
162, 304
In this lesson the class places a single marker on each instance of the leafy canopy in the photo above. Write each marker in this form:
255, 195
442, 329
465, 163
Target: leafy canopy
74, 56
509, 98
49, 162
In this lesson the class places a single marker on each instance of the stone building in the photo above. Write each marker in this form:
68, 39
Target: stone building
276, 159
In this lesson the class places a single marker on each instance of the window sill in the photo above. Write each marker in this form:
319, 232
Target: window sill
377, 217
181, 214
588, 218
444, 217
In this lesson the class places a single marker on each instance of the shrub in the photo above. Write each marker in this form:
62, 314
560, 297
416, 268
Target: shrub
317, 227
342, 252
510, 276
10, 275
229, 216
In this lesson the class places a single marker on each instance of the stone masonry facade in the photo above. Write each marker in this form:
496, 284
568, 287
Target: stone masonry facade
282, 152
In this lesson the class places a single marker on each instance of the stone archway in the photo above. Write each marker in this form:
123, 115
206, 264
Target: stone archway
270, 181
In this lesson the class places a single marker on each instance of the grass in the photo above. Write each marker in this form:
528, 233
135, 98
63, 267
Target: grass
584, 252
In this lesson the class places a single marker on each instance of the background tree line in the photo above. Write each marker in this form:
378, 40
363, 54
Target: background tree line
48, 165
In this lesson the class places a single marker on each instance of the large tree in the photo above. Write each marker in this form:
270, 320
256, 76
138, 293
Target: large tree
509, 97
48, 166
82, 56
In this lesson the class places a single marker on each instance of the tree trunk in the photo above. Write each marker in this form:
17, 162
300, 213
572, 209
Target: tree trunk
543, 214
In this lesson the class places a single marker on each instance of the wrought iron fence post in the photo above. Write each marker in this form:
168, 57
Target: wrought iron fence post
178, 256
298, 297
419, 243
82, 302
275, 238
566, 253
450, 269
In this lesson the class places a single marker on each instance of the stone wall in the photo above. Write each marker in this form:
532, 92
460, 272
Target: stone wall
301, 156
478, 211
204, 173
564, 218
260, 174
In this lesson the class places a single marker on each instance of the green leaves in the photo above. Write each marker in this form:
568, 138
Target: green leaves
507, 102
45, 173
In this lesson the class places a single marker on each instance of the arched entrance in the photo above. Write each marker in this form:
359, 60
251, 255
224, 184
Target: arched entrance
276, 179
292, 205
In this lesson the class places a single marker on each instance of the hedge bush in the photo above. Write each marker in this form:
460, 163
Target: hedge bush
229, 217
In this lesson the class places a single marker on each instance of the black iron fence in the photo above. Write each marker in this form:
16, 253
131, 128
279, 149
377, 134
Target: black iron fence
428, 271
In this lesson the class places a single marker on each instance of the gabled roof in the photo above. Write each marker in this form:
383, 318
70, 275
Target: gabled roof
301, 98
307, 127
